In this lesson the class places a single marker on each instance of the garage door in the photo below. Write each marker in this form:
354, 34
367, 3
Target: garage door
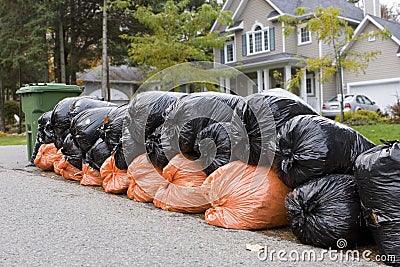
384, 93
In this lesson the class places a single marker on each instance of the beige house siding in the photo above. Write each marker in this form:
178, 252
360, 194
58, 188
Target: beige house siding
385, 66
329, 90
291, 42
308, 50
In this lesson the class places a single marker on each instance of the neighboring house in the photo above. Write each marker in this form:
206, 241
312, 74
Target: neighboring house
124, 81
381, 81
258, 47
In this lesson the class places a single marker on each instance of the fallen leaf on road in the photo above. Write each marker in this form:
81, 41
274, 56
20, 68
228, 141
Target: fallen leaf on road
255, 247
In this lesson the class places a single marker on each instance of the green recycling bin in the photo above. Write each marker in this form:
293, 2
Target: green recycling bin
38, 98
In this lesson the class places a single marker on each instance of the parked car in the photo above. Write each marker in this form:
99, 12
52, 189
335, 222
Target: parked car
351, 103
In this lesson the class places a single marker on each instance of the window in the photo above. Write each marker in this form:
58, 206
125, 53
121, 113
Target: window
258, 40
371, 36
367, 100
229, 52
310, 85
304, 36
360, 100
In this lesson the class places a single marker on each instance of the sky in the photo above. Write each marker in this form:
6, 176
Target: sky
390, 2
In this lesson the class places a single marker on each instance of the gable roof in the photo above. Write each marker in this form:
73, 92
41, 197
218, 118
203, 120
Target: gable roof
380, 23
289, 7
393, 27
121, 73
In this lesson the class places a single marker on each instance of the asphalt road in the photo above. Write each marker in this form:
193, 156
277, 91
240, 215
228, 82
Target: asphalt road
48, 221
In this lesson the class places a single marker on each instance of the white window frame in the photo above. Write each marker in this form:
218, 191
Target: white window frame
299, 39
311, 77
233, 43
251, 35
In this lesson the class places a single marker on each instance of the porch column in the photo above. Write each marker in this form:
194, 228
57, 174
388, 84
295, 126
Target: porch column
259, 80
222, 84
288, 76
303, 87
227, 85
266, 79
318, 91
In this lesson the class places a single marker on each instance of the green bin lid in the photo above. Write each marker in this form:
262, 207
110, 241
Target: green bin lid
49, 87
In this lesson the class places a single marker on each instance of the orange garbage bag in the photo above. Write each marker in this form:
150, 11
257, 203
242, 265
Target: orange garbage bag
56, 162
144, 178
183, 191
245, 197
68, 171
90, 176
115, 181
46, 156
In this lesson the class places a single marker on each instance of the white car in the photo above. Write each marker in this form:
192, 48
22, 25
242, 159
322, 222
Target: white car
351, 103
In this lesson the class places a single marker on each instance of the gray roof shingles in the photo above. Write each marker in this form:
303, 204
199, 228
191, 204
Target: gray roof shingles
348, 9
117, 73
392, 26
268, 58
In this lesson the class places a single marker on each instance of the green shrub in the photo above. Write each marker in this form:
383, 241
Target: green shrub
10, 108
362, 117
395, 110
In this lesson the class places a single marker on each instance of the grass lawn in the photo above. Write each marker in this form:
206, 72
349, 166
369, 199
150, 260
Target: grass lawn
379, 131
12, 140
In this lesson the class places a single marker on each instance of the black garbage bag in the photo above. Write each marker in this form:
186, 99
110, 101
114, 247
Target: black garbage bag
87, 103
44, 135
85, 125
72, 153
259, 120
97, 154
45, 130
191, 114
146, 112
377, 173
154, 149
119, 157
213, 144
60, 119
325, 210
311, 146
130, 147
111, 130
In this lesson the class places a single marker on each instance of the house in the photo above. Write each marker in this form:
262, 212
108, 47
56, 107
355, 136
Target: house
124, 81
381, 80
257, 46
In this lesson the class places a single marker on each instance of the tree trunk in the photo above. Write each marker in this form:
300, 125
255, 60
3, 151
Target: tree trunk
46, 59
2, 120
56, 53
74, 59
104, 69
62, 52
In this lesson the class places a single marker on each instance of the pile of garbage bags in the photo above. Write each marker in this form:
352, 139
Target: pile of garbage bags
377, 172
267, 160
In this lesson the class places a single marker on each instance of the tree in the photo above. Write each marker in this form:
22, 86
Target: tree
21, 37
390, 12
333, 31
177, 34
30, 44
23, 55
